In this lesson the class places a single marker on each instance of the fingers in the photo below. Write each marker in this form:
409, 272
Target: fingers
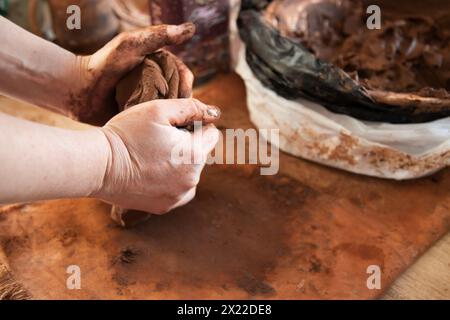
169, 67
183, 112
155, 37
209, 138
142, 42
129, 49
177, 74
186, 79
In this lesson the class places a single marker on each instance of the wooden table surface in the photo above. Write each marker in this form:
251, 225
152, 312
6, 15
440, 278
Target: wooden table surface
428, 277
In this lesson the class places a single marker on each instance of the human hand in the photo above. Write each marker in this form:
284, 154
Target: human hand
92, 98
141, 173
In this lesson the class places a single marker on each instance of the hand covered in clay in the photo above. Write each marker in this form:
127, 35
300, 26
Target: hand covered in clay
141, 173
92, 100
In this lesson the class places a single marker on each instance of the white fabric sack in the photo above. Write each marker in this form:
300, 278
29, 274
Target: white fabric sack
310, 131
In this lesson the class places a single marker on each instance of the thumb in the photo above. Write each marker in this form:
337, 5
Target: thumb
183, 112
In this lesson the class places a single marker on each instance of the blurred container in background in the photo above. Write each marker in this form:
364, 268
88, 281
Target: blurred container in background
3, 7
207, 53
98, 24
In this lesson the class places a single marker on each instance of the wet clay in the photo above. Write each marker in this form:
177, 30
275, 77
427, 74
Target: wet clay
156, 77
409, 54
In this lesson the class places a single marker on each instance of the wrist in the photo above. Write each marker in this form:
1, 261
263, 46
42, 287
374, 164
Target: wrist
76, 86
65, 163
118, 166
99, 153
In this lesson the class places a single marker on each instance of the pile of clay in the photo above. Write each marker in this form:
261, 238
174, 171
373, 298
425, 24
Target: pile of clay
156, 77
409, 54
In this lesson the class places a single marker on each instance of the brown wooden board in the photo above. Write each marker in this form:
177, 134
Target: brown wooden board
308, 232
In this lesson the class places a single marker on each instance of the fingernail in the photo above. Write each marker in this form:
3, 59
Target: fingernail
188, 26
213, 111
182, 29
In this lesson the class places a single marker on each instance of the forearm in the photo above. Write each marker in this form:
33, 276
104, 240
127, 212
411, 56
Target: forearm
39, 162
35, 70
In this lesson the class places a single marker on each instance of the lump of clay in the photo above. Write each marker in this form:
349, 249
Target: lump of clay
156, 77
